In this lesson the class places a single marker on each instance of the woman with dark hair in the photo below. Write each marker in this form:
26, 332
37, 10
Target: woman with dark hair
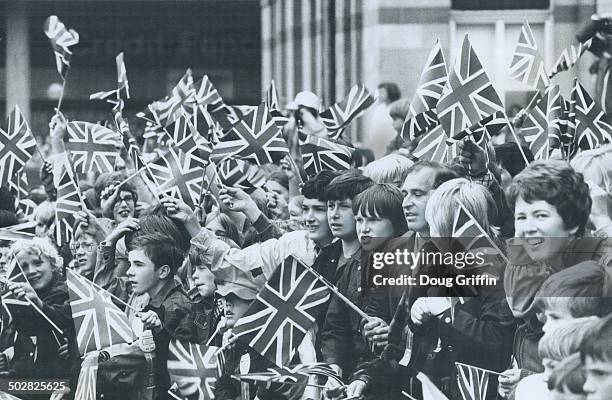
551, 204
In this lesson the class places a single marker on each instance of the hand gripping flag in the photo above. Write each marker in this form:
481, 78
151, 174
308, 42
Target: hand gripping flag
527, 64
17, 145
277, 320
541, 127
61, 41
570, 56
92, 147
473, 382
256, 137
68, 203
194, 368
591, 124
422, 116
481, 131
98, 322
13, 274
179, 174
271, 101
468, 96
241, 174
321, 154
432, 146
338, 116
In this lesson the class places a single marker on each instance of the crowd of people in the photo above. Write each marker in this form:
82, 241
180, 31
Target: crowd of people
533, 322
542, 331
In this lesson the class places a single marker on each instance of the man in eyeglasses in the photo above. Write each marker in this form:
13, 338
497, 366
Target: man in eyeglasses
84, 248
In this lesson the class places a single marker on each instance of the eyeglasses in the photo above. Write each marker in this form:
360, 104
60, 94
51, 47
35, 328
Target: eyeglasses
86, 246
128, 198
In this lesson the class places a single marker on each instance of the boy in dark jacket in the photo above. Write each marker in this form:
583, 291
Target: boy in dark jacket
154, 259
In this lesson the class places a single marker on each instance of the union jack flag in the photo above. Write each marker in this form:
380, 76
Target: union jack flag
206, 93
570, 56
129, 142
179, 175
27, 207
6, 396
88, 378
468, 232
122, 84
338, 116
430, 390
61, 41
282, 381
17, 145
14, 274
168, 109
25, 230
241, 174
98, 322
277, 320
432, 146
68, 203
468, 96
194, 367
473, 382
422, 115
188, 139
591, 124
271, 100
20, 186
541, 127
92, 147
320, 154
122, 80
482, 131
527, 64
256, 137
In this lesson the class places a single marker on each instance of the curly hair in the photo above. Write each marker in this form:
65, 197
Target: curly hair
41, 247
556, 183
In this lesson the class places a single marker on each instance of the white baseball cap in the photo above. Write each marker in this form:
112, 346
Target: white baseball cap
305, 99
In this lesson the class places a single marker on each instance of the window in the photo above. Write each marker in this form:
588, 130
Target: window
499, 4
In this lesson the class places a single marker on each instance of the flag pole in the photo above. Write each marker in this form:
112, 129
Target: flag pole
518, 142
295, 167
405, 394
272, 380
335, 290
34, 305
59, 102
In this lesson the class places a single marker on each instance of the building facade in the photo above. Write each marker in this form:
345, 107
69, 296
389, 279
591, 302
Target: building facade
160, 39
327, 46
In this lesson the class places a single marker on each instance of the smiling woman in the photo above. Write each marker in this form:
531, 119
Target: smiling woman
551, 204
